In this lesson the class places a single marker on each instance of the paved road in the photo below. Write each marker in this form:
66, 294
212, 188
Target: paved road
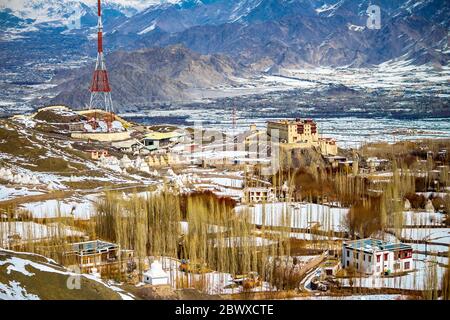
305, 284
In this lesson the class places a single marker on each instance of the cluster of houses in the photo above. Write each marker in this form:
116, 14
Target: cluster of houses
102, 257
147, 164
64, 119
150, 142
365, 256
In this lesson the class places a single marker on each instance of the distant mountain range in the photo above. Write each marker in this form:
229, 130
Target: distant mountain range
295, 33
150, 75
258, 32
257, 35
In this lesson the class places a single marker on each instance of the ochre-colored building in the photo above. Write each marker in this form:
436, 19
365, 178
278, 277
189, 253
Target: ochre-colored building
300, 133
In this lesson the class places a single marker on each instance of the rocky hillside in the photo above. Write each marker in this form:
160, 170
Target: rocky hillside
149, 75
26, 276
299, 33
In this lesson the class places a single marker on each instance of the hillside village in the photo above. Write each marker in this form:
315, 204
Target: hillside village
94, 205
323, 221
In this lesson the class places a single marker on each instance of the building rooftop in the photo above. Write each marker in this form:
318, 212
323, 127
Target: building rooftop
293, 121
91, 247
371, 245
163, 135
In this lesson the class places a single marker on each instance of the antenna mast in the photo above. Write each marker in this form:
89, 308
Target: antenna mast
100, 88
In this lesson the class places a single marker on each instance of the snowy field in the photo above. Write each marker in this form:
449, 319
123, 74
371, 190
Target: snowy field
32, 231
78, 208
392, 75
297, 215
416, 280
419, 218
7, 193
431, 235
401, 74
227, 182
210, 283
430, 248
241, 241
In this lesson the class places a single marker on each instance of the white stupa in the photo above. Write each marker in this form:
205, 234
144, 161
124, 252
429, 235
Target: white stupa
156, 276
25, 179
8, 175
125, 162
102, 126
88, 127
407, 205
113, 161
171, 173
35, 180
103, 160
138, 162
117, 126
429, 206
144, 167
17, 179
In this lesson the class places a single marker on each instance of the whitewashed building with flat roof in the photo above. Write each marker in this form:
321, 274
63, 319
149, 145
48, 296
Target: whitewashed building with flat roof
156, 276
372, 256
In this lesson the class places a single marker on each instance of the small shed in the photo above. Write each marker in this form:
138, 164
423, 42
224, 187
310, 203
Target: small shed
331, 267
156, 276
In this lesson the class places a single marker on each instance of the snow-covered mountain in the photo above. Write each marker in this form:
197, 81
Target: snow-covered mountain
66, 12
295, 32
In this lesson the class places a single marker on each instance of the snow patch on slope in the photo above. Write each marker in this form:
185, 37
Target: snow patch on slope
14, 291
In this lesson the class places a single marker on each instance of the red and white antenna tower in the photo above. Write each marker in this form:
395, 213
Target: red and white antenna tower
100, 88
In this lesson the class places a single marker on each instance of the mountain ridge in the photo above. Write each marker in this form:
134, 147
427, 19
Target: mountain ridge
149, 75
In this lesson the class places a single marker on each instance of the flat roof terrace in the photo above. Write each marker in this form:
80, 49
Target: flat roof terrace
92, 247
372, 245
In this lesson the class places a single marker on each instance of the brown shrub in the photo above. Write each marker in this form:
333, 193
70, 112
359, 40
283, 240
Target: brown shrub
306, 185
364, 218
439, 204
417, 201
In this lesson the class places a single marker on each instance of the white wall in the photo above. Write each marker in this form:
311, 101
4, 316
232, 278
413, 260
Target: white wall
360, 261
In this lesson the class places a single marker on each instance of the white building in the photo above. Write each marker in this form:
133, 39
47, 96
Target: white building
372, 256
258, 195
156, 276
